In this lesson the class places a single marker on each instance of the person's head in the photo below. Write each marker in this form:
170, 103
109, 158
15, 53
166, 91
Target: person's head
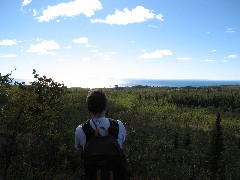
96, 102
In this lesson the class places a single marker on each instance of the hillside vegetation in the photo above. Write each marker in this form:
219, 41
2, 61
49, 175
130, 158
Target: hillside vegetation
173, 133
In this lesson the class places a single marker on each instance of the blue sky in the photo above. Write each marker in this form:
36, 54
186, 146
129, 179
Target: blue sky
72, 40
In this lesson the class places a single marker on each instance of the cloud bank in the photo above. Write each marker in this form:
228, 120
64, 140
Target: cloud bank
74, 8
137, 15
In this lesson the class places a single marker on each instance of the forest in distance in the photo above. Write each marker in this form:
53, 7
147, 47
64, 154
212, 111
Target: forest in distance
172, 133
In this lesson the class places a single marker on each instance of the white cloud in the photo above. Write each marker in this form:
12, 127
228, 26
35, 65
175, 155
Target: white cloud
104, 56
81, 40
61, 60
26, 2
156, 54
209, 60
232, 56
137, 15
74, 8
94, 51
44, 47
7, 42
35, 13
214, 50
184, 58
67, 47
152, 26
230, 30
159, 17
86, 59
8, 55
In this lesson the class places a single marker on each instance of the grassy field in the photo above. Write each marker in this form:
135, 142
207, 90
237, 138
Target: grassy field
172, 133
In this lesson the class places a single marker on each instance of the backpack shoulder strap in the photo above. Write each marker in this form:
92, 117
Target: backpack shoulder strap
114, 128
88, 130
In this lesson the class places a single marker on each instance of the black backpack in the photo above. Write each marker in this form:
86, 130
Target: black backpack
103, 159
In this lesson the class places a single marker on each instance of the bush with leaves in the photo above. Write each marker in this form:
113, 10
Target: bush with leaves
36, 129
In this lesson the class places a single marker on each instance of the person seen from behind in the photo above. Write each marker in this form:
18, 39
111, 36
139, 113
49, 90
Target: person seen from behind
100, 139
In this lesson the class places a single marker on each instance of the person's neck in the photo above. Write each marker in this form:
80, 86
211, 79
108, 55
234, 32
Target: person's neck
99, 115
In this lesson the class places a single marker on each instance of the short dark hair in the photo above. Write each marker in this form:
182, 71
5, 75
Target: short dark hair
96, 101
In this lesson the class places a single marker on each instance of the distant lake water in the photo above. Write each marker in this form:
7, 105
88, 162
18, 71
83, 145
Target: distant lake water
110, 83
178, 83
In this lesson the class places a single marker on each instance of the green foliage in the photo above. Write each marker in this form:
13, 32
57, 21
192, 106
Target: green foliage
217, 167
36, 133
172, 133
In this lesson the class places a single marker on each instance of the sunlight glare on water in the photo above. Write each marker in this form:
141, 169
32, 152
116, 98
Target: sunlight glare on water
94, 83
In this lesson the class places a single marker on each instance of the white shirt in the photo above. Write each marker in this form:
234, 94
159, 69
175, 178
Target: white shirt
80, 137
